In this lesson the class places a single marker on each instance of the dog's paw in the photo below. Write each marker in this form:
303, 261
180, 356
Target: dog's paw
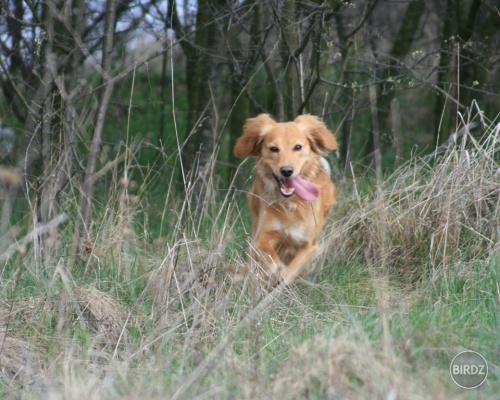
290, 277
277, 271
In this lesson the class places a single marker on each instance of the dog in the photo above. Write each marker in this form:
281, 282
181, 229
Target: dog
292, 194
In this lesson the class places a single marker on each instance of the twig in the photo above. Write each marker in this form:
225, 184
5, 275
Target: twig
200, 372
455, 138
30, 237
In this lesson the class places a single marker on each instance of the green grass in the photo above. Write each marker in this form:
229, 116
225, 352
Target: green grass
286, 345
407, 278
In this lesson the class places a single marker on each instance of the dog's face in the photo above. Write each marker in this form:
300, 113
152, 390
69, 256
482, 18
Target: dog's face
284, 150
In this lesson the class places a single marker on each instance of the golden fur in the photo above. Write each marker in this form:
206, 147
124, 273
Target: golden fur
286, 230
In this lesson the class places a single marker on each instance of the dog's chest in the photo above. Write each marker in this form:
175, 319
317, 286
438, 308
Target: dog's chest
295, 232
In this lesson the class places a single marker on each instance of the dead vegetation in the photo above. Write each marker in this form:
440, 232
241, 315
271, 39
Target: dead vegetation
432, 213
342, 369
176, 318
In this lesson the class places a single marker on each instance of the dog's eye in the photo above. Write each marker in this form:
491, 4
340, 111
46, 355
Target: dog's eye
273, 149
297, 147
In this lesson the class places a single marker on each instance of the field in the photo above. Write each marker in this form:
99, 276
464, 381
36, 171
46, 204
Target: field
159, 306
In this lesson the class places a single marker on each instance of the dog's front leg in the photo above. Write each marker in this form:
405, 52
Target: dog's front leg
266, 253
296, 267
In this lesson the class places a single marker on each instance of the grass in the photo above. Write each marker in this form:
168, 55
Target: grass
159, 308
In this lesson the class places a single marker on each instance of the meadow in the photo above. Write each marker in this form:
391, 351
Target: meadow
159, 306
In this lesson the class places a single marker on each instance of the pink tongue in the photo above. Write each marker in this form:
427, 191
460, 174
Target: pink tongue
304, 189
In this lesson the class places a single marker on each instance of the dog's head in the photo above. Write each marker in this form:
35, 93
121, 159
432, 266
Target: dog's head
287, 151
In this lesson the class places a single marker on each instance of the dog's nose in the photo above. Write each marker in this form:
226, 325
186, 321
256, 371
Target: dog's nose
286, 171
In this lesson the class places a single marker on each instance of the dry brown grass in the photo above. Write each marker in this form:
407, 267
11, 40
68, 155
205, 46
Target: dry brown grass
341, 368
177, 317
19, 359
104, 316
101, 319
431, 213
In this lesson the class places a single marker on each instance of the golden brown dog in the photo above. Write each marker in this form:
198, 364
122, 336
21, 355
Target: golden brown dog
292, 194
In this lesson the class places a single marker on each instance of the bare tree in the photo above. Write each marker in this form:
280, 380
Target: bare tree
281, 57
388, 70
104, 96
201, 46
469, 39
288, 57
42, 55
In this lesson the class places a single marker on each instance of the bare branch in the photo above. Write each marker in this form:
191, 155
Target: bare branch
32, 236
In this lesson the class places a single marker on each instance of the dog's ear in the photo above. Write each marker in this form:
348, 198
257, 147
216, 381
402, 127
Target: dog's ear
320, 137
253, 131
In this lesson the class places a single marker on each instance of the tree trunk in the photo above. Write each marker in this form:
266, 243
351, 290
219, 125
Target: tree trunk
164, 85
399, 49
288, 46
87, 196
445, 108
460, 67
202, 81
58, 120
242, 67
